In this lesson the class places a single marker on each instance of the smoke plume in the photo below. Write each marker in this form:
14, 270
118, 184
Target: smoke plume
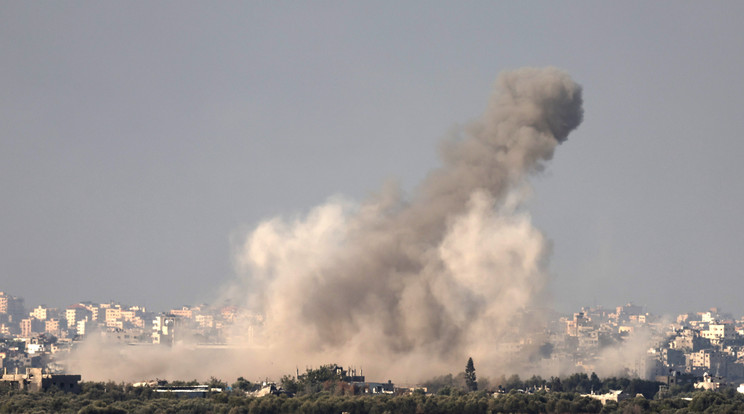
405, 287
420, 283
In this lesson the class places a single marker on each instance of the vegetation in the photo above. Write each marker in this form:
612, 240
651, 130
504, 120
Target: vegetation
97, 397
470, 381
325, 378
583, 384
245, 386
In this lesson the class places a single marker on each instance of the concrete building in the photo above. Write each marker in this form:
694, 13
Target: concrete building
115, 324
709, 383
689, 340
373, 387
707, 360
35, 380
164, 330
623, 313
113, 315
719, 332
613, 395
204, 321
26, 328
708, 317
96, 314
34, 348
83, 327
76, 313
128, 315
573, 326
184, 312
51, 326
673, 359
40, 313
12, 306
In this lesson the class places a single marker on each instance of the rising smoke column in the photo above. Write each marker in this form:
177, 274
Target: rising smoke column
420, 282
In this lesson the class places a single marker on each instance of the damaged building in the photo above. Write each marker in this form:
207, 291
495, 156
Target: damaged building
35, 380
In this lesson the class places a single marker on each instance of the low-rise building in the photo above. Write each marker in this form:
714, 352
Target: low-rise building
719, 332
35, 380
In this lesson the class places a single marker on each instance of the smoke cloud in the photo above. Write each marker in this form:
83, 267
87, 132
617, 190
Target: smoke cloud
406, 286
420, 283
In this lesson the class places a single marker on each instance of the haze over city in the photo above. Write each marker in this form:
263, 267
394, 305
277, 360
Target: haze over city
141, 143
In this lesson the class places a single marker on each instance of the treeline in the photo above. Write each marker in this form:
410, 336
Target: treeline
118, 398
576, 383
583, 384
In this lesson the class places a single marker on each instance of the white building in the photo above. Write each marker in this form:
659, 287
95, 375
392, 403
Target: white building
718, 332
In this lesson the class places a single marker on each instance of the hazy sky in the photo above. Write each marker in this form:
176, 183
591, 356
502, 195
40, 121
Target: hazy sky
137, 139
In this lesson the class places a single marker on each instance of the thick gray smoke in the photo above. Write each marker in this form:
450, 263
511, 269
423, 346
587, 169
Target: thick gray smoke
421, 283
405, 287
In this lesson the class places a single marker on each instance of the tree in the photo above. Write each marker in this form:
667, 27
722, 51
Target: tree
289, 384
216, 383
314, 380
470, 379
244, 385
596, 383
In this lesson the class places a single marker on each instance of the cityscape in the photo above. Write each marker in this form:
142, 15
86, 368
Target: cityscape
704, 348
371, 207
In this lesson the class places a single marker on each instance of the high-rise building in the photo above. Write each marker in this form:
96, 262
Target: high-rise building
113, 315
40, 313
76, 313
26, 327
52, 327
12, 306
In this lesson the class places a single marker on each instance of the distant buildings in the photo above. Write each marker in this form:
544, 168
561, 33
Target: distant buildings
11, 311
692, 345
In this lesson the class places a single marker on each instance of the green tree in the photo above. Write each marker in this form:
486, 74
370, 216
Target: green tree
243, 384
216, 383
324, 378
595, 382
289, 384
470, 379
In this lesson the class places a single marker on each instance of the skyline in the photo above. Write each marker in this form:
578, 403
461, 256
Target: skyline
29, 307
140, 144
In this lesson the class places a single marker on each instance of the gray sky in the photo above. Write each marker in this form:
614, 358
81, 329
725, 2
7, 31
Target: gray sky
138, 138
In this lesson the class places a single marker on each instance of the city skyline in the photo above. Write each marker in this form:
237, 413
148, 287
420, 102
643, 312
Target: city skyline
136, 152
96, 340
30, 306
